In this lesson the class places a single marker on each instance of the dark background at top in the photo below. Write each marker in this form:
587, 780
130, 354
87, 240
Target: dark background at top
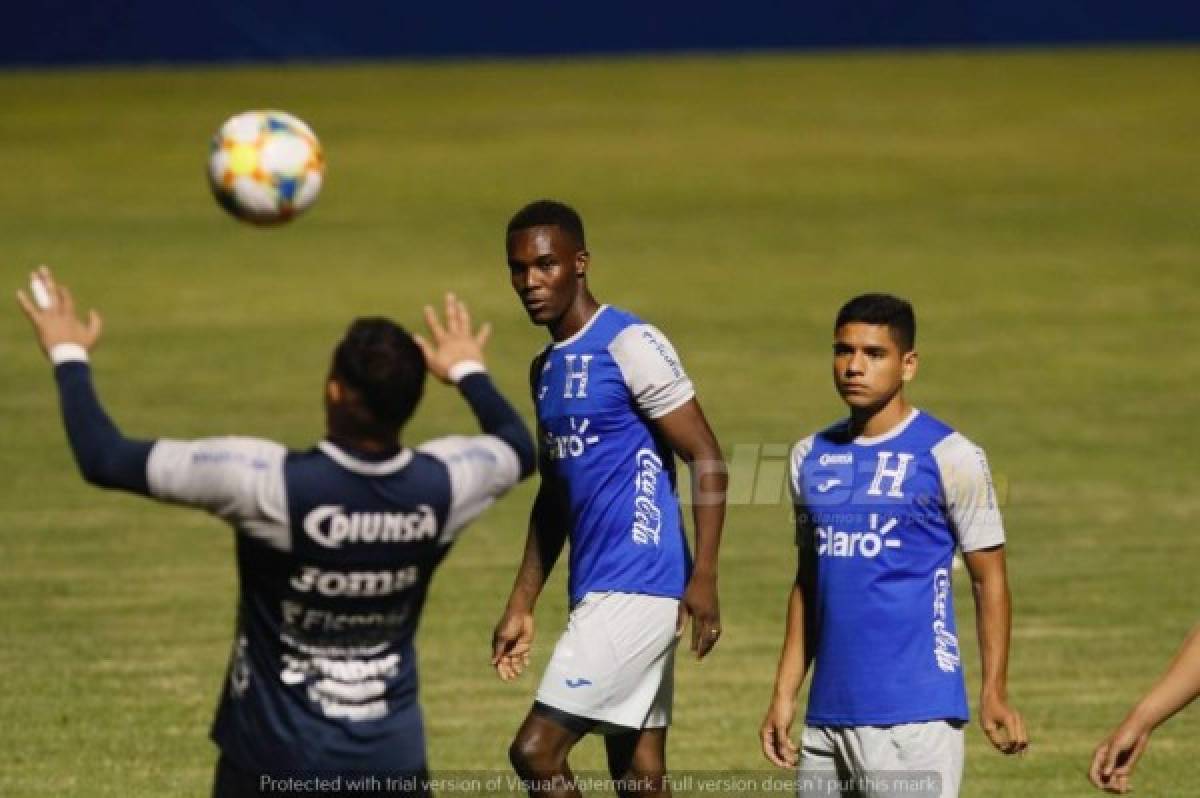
52, 32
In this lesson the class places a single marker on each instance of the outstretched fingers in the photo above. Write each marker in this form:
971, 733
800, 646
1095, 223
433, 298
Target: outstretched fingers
462, 316
423, 345
27, 306
485, 333
95, 326
435, 326
66, 301
47, 277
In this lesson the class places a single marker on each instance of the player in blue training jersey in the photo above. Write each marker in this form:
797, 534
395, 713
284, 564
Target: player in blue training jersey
882, 501
614, 408
336, 545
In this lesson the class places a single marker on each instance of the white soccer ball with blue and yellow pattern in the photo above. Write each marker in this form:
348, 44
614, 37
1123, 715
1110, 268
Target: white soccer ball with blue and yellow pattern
265, 167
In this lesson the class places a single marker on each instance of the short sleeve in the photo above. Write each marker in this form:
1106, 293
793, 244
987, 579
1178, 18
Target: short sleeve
803, 517
239, 480
482, 468
969, 493
651, 369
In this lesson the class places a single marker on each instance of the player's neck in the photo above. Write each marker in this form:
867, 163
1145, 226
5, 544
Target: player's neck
576, 317
375, 443
873, 422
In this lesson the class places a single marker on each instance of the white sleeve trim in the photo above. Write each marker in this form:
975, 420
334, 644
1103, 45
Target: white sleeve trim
240, 480
465, 368
651, 369
482, 468
796, 468
969, 493
68, 353
803, 523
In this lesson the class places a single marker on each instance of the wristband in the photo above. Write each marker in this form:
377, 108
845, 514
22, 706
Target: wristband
68, 353
465, 368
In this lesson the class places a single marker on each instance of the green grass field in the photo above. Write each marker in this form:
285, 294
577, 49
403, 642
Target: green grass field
1040, 209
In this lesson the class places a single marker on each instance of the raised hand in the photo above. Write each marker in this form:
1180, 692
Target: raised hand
454, 342
52, 313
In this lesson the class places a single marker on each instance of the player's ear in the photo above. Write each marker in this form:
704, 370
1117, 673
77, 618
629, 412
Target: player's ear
583, 259
335, 394
908, 365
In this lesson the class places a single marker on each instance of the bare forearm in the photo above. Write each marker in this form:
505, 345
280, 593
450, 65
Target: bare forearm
708, 515
794, 658
1178, 687
543, 544
993, 620
710, 479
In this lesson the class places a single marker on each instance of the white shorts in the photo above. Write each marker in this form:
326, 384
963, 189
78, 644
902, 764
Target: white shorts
615, 662
869, 761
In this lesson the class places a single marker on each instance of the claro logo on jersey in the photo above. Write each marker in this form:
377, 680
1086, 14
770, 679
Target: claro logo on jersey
331, 526
834, 543
572, 444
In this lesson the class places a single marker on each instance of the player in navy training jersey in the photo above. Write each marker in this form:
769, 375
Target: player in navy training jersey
336, 546
614, 407
882, 501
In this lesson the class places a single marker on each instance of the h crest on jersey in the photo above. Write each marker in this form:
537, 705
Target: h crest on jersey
895, 474
576, 377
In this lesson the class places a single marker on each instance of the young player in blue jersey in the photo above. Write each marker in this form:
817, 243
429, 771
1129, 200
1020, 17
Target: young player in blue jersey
336, 546
882, 500
614, 408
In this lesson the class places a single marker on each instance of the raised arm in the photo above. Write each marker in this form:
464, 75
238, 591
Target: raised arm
105, 457
481, 467
454, 355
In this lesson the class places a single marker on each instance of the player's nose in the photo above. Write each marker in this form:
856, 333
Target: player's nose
522, 280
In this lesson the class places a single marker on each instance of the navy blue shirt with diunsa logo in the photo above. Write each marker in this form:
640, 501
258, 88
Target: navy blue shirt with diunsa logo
335, 553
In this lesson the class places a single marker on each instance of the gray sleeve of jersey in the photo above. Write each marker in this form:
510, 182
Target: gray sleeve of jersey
969, 493
651, 369
482, 468
237, 479
805, 538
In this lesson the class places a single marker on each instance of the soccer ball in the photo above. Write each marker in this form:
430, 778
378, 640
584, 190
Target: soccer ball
265, 167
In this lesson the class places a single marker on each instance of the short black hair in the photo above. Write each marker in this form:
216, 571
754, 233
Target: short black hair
546, 213
379, 360
892, 311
